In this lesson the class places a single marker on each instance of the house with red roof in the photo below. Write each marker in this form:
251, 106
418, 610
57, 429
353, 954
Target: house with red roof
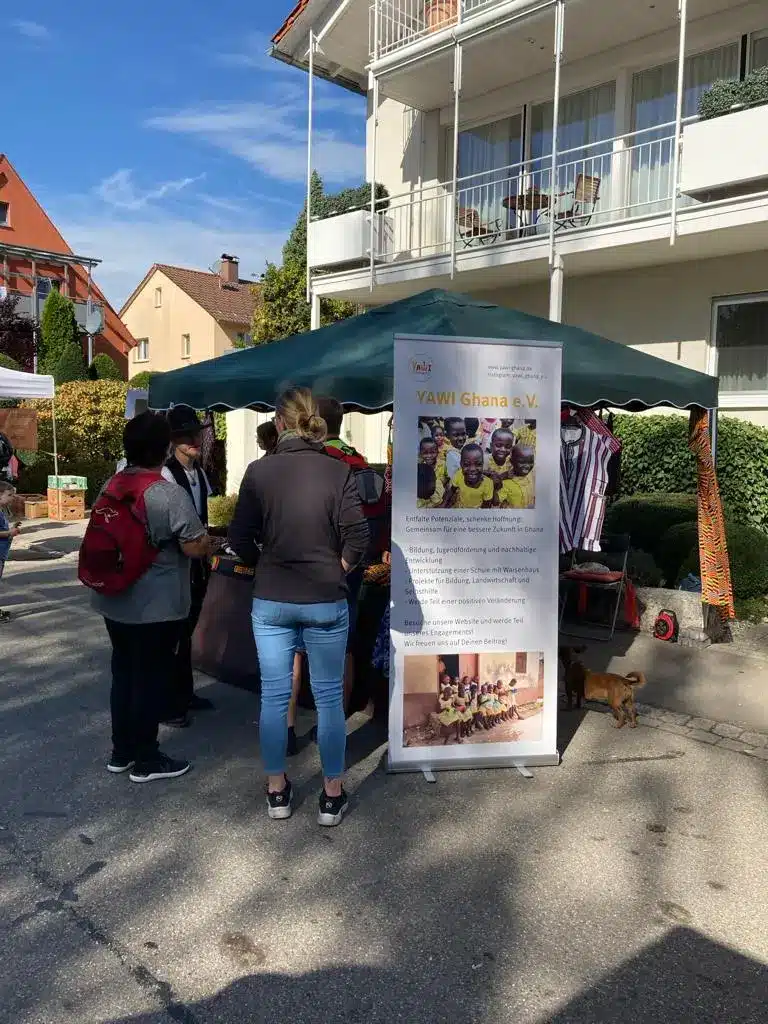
35, 258
180, 316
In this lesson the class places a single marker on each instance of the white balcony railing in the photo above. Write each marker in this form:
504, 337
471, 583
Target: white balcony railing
397, 23
615, 180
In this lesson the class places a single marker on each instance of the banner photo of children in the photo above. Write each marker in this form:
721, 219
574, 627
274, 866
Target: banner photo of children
472, 698
465, 462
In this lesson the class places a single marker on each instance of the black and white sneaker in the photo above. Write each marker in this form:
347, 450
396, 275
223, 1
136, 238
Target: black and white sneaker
279, 804
162, 767
332, 809
119, 765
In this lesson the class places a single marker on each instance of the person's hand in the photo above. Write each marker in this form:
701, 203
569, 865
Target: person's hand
14, 532
387, 558
345, 566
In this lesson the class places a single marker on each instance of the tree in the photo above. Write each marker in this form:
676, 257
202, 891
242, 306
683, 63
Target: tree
104, 367
281, 308
16, 337
70, 365
141, 380
58, 329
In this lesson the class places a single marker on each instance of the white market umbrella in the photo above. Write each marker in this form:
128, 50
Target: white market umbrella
16, 384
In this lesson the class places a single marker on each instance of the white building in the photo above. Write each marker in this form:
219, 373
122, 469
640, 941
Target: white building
632, 218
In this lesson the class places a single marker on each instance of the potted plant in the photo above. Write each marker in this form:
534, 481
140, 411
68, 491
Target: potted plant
440, 13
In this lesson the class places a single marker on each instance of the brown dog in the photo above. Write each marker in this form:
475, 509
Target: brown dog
618, 691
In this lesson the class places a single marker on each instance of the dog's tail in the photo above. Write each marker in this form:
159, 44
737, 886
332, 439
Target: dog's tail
636, 678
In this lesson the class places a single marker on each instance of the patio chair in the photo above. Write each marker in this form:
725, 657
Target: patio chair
613, 554
582, 203
471, 229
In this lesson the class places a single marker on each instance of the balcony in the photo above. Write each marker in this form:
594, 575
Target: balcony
613, 181
398, 23
720, 157
26, 307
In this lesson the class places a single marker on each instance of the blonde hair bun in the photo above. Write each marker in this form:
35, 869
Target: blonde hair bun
298, 410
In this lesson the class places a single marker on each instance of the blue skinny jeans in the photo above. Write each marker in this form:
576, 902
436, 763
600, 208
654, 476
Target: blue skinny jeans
278, 629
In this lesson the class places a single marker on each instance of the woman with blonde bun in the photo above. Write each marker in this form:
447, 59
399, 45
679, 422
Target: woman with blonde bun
300, 522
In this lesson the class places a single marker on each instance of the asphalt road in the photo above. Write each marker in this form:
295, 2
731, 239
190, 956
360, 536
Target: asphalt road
629, 884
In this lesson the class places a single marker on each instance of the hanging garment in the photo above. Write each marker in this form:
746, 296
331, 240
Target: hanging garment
614, 466
586, 448
716, 589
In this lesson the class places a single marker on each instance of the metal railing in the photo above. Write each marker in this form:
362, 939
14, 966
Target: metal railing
603, 183
397, 23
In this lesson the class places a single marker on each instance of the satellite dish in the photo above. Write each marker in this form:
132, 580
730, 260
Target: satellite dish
94, 319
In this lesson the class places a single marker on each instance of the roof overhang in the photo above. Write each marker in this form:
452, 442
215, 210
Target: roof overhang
26, 252
341, 30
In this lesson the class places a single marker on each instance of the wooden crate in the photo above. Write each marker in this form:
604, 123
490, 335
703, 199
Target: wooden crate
35, 507
66, 506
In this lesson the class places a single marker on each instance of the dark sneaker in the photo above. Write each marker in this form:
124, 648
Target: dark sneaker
119, 765
293, 744
5, 616
279, 804
200, 703
332, 809
162, 767
181, 722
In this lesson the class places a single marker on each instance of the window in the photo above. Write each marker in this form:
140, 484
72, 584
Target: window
758, 58
186, 346
740, 333
489, 155
44, 286
4, 215
141, 352
158, 298
521, 663
244, 339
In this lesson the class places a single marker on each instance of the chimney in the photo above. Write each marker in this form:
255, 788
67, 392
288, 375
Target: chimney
229, 270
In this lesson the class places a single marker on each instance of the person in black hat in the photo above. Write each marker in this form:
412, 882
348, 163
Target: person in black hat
184, 468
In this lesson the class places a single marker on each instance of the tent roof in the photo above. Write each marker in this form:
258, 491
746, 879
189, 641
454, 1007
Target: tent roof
15, 384
353, 361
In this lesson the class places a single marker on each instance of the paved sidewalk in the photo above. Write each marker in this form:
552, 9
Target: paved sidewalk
627, 884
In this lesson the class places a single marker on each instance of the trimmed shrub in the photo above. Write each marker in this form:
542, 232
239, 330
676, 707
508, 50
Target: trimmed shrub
58, 330
34, 473
642, 568
656, 457
90, 419
725, 94
70, 365
647, 517
221, 510
220, 425
748, 554
675, 547
141, 380
104, 367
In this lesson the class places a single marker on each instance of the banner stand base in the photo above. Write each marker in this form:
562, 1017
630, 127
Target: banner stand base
522, 764
429, 775
525, 772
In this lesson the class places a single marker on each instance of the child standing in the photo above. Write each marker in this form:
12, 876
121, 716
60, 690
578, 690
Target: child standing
469, 487
456, 433
429, 490
7, 532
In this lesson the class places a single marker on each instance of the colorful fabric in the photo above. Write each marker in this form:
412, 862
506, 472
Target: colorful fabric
716, 588
583, 480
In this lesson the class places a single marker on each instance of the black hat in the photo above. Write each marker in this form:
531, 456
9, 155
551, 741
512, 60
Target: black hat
182, 419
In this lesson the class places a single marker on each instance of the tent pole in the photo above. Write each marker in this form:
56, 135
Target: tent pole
556, 281
375, 115
457, 73
310, 113
683, 15
559, 38
55, 445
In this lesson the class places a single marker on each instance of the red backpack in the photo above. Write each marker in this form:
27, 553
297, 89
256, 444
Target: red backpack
116, 549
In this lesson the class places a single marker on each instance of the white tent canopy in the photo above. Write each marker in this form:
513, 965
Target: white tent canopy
15, 384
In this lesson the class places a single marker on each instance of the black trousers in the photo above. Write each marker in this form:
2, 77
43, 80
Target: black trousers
142, 664
182, 686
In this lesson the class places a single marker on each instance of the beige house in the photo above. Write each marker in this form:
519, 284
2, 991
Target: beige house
180, 316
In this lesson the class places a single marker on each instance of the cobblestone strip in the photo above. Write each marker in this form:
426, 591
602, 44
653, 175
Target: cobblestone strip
703, 730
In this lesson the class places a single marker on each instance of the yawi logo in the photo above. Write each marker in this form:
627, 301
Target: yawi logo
421, 367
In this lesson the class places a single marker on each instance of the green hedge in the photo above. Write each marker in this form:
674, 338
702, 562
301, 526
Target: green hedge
221, 510
748, 553
647, 517
656, 457
674, 548
33, 477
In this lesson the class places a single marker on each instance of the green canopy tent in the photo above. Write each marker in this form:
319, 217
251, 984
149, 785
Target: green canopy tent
353, 361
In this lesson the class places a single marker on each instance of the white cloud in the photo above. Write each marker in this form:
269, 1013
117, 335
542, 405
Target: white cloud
252, 53
31, 30
129, 246
273, 137
120, 191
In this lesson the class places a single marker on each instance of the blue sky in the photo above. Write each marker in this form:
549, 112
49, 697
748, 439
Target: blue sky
162, 132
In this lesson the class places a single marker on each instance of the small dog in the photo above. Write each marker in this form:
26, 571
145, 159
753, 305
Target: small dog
618, 691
